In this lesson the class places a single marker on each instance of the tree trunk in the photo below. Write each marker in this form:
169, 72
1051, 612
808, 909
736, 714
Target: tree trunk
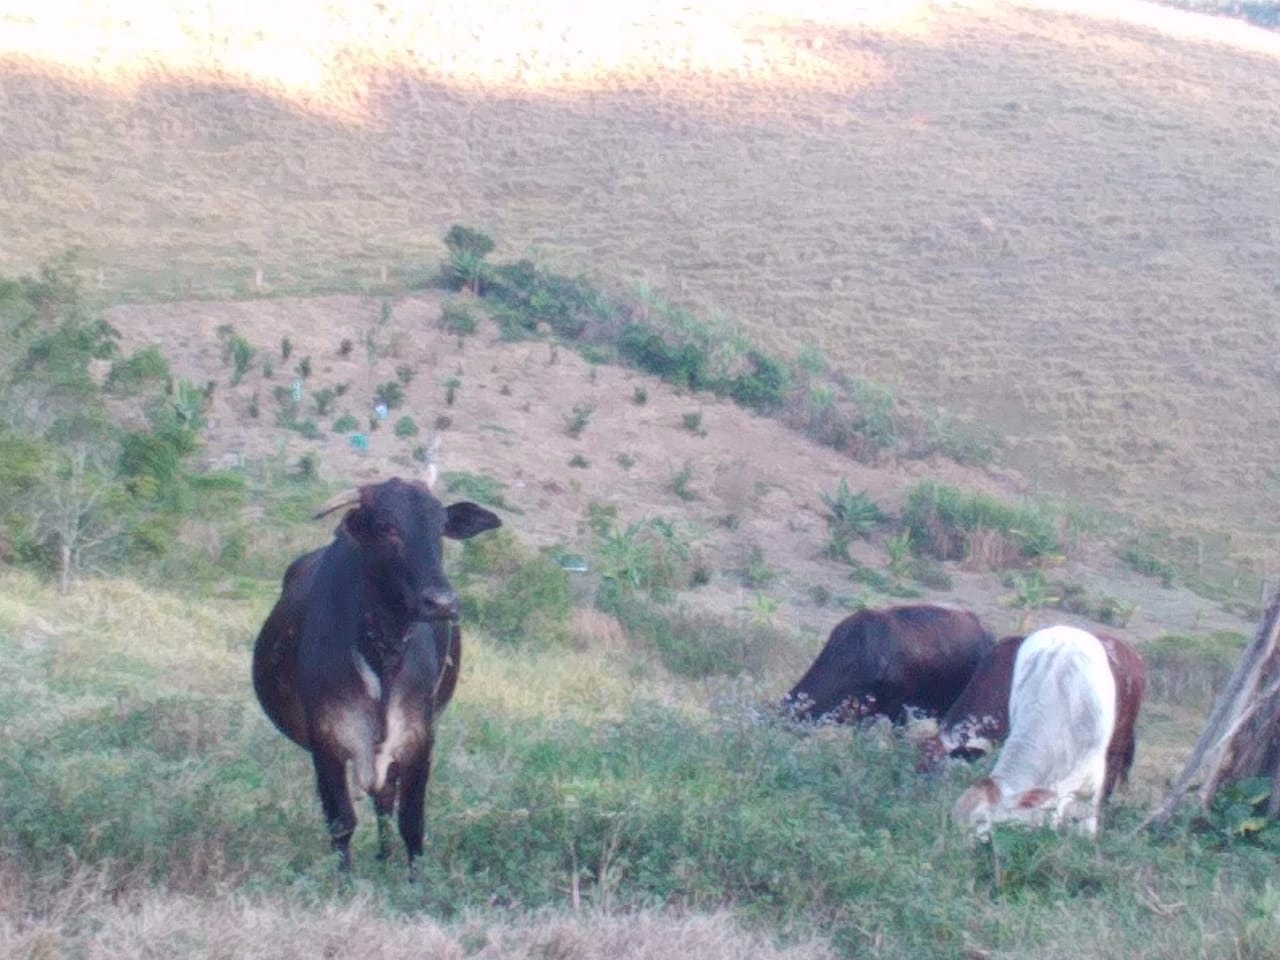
1242, 735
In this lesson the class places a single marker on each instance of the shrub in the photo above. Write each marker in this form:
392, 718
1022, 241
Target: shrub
390, 393
465, 268
649, 556
693, 423
1141, 556
458, 318
324, 399
237, 351
640, 396
945, 523
875, 421
405, 427
578, 461
303, 369
145, 367
764, 387
575, 424
532, 296
755, 571
346, 424
405, 373
286, 348
849, 516
683, 365
680, 482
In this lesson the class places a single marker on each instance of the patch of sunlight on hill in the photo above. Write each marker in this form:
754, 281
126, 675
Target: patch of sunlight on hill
564, 684
1179, 24
117, 637
325, 56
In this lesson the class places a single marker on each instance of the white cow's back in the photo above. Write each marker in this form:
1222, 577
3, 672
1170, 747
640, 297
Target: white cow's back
1062, 711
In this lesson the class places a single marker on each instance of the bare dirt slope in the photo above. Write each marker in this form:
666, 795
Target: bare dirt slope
508, 420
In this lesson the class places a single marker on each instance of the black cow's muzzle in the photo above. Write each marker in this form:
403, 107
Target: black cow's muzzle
435, 603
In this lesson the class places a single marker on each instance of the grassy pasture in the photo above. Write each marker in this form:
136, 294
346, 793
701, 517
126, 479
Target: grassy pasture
581, 798
1058, 226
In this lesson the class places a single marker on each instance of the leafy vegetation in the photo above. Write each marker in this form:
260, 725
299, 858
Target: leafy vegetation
849, 516
950, 524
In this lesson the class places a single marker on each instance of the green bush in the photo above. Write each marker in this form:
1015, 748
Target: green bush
532, 296
405, 427
849, 516
575, 424
683, 365
943, 521
324, 399
147, 366
459, 318
465, 268
764, 387
346, 424
650, 556
1142, 556
390, 393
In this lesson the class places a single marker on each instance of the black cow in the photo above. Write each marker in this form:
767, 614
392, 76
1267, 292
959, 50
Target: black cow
361, 653
880, 662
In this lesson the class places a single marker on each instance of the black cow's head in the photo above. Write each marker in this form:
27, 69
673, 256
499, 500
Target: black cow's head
397, 527
830, 688
841, 683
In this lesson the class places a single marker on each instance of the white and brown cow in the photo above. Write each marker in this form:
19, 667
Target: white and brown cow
1052, 769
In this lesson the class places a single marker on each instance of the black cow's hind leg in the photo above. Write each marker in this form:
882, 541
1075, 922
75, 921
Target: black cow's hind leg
339, 815
413, 804
384, 804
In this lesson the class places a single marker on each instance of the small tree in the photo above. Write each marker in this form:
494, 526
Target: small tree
1241, 740
465, 269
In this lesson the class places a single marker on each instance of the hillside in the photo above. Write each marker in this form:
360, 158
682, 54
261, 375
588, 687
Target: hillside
1054, 219
1048, 226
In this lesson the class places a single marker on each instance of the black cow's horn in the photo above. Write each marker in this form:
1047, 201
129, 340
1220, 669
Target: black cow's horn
430, 469
347, 498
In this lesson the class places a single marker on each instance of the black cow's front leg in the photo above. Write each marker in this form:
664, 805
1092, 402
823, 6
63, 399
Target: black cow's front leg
413, 803
339, 814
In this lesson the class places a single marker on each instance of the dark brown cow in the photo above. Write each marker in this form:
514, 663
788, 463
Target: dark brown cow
979, 719
361, 653
882, 662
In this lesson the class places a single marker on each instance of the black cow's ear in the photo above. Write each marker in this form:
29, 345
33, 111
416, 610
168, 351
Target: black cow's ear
356, 522
466, 519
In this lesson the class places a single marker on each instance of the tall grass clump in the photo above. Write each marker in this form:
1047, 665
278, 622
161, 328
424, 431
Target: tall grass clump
1191, 668
951, 524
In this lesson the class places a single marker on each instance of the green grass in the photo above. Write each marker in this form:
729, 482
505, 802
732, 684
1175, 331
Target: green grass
560, 770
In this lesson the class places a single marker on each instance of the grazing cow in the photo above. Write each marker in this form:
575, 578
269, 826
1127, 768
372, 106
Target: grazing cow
885, 661
361, 653
1062, 714
979, 719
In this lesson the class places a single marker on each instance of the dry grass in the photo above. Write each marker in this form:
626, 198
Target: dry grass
89, 918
